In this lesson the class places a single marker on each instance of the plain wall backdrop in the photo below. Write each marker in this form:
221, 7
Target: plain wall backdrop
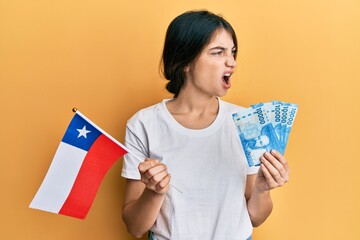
103, 57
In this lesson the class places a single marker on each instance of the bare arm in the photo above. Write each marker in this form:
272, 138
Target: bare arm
273, 172
143, 199
259, 203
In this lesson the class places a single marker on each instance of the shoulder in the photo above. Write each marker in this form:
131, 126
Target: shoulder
145, 115
231, 108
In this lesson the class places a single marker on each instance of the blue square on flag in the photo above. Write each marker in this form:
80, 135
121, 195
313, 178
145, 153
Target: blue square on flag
80, 133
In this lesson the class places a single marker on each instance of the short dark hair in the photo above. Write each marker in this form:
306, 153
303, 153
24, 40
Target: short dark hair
185, 38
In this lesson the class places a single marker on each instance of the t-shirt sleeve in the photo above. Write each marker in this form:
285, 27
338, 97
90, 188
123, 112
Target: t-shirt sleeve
252, 170
135, 141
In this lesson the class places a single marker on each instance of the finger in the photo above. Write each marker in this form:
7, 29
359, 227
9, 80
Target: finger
147, 164
277, 164
269, 178
275, 174
283, 160
158, 177
163, 183
280, 158
155, 170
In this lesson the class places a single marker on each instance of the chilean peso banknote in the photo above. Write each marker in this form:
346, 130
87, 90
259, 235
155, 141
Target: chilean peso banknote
263, 127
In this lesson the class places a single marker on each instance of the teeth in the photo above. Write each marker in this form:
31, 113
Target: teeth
227, 74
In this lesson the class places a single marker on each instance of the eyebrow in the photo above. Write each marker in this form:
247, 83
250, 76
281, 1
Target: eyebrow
222, 48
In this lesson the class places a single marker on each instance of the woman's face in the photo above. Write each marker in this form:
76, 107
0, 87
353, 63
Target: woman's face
211, 71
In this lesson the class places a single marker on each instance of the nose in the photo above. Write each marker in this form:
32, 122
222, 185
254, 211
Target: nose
230, 61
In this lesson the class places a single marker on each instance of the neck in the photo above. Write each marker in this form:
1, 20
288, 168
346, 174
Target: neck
193, 113
186, 102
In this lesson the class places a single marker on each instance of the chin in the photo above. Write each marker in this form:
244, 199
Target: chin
222, 94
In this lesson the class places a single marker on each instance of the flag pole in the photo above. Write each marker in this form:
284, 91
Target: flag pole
75, 109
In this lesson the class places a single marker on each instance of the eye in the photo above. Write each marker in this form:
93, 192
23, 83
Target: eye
233, 52
218, 53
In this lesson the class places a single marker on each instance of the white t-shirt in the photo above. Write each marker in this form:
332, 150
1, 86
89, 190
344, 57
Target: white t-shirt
208, 173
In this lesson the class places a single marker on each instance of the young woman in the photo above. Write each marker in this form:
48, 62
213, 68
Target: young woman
194, 181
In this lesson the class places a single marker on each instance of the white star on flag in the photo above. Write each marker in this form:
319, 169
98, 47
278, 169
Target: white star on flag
83, 132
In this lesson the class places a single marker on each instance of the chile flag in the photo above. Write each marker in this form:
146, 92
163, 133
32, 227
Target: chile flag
84, 156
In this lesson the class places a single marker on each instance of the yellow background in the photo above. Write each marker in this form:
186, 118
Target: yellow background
103, 56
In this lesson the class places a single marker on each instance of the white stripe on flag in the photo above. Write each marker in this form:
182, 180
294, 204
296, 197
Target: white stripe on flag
59, 179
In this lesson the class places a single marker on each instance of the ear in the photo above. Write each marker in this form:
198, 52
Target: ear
187, 68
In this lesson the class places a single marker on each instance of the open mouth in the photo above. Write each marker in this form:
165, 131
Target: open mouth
226, 78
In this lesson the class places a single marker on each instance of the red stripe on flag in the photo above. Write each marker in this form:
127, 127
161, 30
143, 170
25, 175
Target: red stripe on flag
100, 157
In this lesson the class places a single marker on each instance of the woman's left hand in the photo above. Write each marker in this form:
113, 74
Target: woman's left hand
273, 172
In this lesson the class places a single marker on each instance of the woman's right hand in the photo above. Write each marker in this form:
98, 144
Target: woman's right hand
154, 175
142, 203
